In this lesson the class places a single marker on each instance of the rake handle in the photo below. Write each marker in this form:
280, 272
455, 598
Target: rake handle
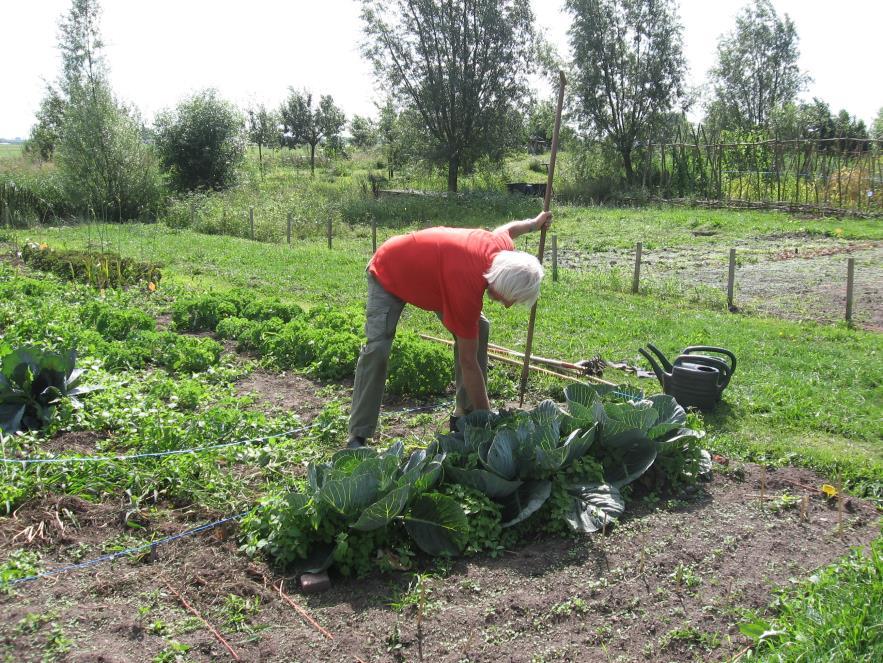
547, 200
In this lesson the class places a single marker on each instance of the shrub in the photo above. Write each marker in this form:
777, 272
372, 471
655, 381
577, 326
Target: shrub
417, 367
201, 142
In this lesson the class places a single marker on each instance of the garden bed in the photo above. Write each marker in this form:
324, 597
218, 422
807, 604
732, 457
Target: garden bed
670, 582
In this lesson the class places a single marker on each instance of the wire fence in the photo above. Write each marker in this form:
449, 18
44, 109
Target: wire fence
835, 175
791, 277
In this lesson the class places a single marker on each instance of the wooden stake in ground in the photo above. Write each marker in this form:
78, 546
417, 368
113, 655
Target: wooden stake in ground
562, 81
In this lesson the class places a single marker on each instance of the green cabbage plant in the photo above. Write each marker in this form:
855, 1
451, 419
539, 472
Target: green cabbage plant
32, 383
365, 490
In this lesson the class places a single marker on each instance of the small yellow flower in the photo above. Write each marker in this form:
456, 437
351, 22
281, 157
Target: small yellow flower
838, 232
44, 246
829, 490
151, 286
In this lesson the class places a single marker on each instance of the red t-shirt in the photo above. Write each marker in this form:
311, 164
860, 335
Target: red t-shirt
441, 269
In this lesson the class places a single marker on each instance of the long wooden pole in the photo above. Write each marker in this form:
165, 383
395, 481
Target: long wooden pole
562, 81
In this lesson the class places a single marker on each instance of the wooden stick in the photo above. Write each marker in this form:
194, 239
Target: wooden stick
288, 230
850, 287
211, 628
636, 279
731, 279
506, 360
562, 81
554, 258
303, 613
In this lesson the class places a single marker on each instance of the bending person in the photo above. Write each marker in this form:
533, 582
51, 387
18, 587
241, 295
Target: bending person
445, 270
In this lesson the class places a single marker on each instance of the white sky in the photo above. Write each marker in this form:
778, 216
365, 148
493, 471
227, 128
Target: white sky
160, 51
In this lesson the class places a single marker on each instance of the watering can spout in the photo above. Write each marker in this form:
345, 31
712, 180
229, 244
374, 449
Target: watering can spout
656, 368
666, 364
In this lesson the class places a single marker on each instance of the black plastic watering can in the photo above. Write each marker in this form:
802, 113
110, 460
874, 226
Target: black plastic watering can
695, 380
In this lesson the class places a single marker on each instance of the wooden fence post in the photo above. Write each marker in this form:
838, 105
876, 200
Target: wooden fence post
192, 216
6, 222
555, 258
637, 279
329, 233
850, 285
288, 230
251, 221
373, 235
731, 280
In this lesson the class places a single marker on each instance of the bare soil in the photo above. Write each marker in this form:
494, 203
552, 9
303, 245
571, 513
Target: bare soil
667, 584
793, 276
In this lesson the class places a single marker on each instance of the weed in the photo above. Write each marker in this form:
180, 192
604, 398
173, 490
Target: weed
174, 652
239, 610
685, 575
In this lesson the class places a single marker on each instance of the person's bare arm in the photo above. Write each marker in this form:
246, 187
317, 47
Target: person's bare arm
518, 228
473, 380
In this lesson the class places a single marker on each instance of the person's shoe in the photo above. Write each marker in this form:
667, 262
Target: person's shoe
355, 442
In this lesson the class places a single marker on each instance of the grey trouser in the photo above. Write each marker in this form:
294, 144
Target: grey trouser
382, 314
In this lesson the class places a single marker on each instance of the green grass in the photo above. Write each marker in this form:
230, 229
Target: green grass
10, 151
833, 616
803, 393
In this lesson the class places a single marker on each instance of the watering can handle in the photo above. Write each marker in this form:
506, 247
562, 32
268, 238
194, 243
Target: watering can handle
711, 348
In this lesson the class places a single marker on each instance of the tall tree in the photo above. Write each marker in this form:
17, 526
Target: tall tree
104, 164
46, 134
302, 124
363, 131
460, 65
629, 66
756, 70
877, 127
264, 128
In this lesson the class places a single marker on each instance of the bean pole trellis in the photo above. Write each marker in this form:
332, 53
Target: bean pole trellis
841, 175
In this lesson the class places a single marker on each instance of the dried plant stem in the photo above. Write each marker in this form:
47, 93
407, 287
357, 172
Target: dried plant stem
211, 628
303, 613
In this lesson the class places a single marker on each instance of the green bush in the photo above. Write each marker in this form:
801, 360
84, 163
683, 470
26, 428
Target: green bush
115, 324
417, 367
201, 142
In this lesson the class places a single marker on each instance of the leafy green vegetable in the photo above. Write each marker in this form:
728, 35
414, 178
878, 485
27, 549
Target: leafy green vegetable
32, 383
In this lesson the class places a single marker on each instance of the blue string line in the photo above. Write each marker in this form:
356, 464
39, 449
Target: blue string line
128, 551
160, 454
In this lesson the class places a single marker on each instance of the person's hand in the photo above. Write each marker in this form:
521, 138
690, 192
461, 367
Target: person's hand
543, 221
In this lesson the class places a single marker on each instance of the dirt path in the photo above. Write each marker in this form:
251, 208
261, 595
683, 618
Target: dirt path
667, 584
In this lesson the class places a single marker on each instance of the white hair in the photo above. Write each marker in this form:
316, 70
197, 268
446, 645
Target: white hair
516, 276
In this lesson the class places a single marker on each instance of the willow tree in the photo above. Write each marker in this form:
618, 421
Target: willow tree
460, 65
629, 66
756, 71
